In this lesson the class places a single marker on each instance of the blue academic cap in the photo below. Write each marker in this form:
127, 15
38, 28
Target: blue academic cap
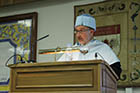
86, 20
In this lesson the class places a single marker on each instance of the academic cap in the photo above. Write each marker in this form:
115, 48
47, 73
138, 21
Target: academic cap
86, 20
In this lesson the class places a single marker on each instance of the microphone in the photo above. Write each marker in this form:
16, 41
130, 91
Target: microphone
31, 58
42, 37
21, 58
96, 55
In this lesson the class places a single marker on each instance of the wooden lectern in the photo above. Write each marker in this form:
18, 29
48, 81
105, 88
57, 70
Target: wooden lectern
94, 76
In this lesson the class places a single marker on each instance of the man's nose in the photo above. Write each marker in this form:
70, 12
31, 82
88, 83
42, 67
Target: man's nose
78, 34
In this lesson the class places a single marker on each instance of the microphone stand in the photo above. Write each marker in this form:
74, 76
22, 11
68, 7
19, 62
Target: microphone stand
31, 60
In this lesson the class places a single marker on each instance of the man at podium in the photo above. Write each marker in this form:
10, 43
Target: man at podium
90, 49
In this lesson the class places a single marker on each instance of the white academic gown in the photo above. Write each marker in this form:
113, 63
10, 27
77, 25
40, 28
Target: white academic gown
94, 47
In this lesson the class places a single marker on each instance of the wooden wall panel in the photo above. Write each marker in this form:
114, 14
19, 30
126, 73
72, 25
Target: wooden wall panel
23, 1
4, 3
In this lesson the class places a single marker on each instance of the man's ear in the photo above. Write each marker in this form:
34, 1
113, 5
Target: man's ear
92, 31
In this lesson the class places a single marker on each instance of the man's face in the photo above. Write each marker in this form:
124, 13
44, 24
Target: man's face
83, 34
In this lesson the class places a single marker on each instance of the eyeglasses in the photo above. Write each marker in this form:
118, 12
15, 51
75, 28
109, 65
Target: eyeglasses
81, 31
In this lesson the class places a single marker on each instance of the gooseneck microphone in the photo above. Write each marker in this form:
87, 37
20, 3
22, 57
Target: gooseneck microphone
96, 55
42, 37
31, 58
21, 58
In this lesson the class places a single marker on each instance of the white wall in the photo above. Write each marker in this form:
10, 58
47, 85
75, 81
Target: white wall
55, 17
